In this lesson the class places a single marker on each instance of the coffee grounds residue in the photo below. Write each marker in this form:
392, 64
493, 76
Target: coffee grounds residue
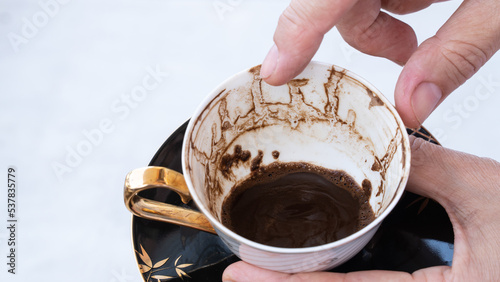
257, 161
376, 165
380, 188
375, 100
276, 154
295, 205
228, 161
367, 187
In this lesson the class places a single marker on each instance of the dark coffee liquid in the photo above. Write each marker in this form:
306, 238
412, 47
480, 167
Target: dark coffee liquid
294, 205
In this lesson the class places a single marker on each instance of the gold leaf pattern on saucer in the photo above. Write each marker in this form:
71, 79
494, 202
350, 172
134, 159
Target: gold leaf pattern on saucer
160, 263
145, 257
144, 268
148, 266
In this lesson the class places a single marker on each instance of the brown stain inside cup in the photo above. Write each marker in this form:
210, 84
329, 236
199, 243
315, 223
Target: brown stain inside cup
230, 160
255, 164
375, 100
262, 113
276, 154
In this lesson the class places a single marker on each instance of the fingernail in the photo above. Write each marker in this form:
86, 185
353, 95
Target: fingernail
270, 63
424, 99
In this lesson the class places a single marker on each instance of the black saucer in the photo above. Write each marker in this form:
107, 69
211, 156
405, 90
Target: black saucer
417, 234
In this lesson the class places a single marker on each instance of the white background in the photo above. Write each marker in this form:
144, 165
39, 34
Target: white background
67, 68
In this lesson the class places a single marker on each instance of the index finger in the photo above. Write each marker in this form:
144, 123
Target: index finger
298, 36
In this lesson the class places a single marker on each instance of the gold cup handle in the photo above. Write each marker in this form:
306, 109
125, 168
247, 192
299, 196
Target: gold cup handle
159, 177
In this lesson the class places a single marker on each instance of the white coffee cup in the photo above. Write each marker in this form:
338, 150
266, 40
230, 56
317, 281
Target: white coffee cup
326, 116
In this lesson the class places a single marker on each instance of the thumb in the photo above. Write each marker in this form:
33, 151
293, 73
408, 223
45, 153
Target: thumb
298, 36
458, 181
468, 188
244, 272
443, 62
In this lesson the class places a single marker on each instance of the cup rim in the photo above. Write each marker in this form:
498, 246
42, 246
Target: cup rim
219, 227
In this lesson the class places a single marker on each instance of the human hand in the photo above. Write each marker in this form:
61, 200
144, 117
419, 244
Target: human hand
468, 187
432, 71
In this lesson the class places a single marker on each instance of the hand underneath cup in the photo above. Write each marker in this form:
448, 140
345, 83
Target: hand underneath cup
432, 70
468, 187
